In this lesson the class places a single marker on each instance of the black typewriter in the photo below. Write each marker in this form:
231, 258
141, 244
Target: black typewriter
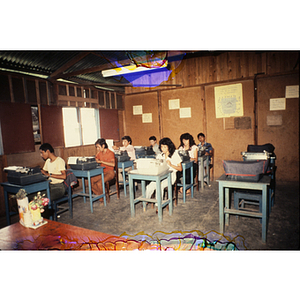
82, 163
184, 155
122, 155
24, 175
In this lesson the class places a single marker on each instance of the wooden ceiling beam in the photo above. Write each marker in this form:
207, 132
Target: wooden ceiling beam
59, 72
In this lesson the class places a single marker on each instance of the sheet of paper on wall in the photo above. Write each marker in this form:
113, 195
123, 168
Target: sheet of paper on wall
277, 104
110, 143
138, 109
174, 104
147, 118
292, 91
185, 112
274, 120
229, 100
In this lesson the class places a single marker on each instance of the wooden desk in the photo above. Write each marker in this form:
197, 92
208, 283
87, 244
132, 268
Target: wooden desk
201, 160
29, 188
224, 208
88, 174
123, 165
135, 175
59, 236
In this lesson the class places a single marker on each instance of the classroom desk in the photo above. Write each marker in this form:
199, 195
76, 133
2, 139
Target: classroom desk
59, 236
201, 160
135, 175
29, 188
88, 174
224, 208
123, 165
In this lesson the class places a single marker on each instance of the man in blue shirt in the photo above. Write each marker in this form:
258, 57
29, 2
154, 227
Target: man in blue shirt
208, 147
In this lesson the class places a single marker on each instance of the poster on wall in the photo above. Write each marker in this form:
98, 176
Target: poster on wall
277, 104
138, 109
147, 118
229, 101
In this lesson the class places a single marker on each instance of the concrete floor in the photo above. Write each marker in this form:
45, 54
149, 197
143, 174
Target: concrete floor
198, 214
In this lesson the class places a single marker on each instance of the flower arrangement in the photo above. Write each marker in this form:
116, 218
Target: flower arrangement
39, 201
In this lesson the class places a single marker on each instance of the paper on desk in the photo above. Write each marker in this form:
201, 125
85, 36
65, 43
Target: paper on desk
11, 168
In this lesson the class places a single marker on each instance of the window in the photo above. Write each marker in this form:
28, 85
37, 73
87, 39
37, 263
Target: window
35, 124
81, 126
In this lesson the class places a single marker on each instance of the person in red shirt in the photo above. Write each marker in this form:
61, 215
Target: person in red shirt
106, 158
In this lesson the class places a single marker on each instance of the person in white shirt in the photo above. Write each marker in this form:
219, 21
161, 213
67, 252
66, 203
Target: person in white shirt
127, 145
187, 143
170, 154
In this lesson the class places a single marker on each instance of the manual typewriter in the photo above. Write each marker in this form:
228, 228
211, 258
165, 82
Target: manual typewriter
24, 175
82, 163
122, 155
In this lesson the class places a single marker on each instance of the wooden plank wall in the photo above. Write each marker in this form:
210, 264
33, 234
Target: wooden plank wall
227, 66
201, 75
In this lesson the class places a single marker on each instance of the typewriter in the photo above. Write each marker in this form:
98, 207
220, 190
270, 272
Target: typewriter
82, 163
184, 155
122, 155
151, 166
24, 175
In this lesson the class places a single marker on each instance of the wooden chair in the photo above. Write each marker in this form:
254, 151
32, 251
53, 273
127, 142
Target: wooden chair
112, 182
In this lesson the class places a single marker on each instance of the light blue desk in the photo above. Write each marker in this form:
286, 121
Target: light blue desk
135, 175
29, 188
123, 165
224, 208
185, 166
203, 161
88, 174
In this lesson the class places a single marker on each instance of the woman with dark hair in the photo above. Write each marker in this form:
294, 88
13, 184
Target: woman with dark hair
106, 158
173, 159
187, 143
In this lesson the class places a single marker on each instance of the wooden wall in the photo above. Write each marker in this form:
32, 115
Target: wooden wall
198, 77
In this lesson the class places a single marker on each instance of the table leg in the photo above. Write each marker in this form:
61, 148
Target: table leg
143, 184
264, 213
131, 194
124, 180
83, 189
159, 200
192, 180
227, 205
170, 195
7, 207
103, 189
90, 191
183, 185
208, 172
221, 207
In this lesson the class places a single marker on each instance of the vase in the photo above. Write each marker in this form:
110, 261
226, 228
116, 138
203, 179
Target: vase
24, 212
36, 216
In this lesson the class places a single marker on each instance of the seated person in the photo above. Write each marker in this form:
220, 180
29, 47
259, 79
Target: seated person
127, 145
154, 145
106, 159
187, 143
173, 159
55, 168
203, 143
208, 150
